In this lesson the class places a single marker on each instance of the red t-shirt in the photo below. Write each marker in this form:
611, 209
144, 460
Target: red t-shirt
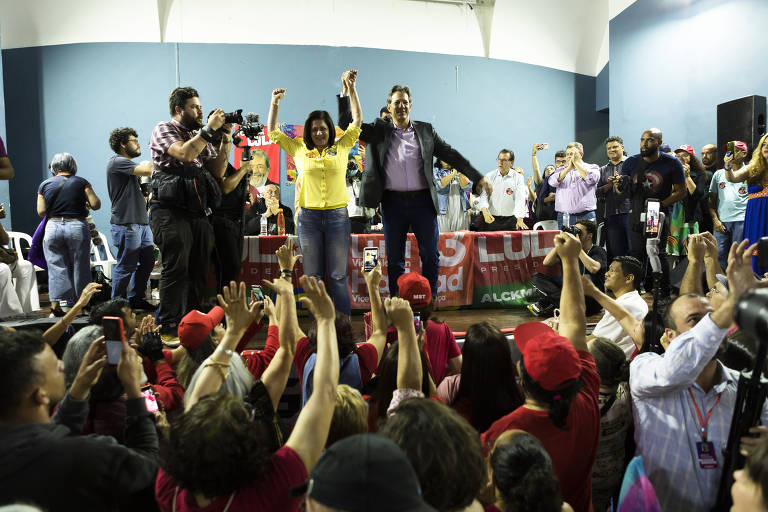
257, 360
270, 492
366, 355
440, 346
572, 451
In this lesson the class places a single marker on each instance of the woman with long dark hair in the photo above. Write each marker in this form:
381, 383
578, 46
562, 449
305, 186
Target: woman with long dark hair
65, 199
322, 220
487, 388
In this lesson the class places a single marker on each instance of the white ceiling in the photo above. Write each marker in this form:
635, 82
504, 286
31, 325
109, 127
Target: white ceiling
571, 35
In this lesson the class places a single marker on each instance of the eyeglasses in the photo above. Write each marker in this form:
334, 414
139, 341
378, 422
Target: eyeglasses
503, 160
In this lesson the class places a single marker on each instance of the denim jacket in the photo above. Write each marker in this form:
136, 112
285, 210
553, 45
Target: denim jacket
442, 192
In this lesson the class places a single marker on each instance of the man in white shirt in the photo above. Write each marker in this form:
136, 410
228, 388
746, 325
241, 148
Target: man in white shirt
683, 400
505, 209
621, 279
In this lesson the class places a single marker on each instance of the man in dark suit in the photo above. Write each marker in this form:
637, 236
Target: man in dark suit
398, 174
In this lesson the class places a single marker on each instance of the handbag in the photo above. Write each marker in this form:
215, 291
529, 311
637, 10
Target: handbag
36, 254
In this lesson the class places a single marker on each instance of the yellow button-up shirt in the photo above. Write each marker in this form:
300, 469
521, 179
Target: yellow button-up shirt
323, 175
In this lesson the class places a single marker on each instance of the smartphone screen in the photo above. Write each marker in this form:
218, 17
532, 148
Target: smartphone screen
370, 258
730, 147
257, 293
652, 217
417, 323
114, 336
149, 398
544, 146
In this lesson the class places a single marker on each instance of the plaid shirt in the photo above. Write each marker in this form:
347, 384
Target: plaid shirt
667, 425
164, 135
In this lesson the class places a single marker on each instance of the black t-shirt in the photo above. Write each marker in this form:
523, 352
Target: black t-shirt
71, 200
652, 180
128, 204
598, 254
233, 204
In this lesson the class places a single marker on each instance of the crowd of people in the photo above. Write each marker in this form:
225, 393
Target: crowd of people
634, 413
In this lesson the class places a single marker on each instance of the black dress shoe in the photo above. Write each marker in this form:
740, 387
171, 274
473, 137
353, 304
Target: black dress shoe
142, 304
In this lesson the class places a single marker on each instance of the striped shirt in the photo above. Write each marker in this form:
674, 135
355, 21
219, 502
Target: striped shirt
165, 134
667, 425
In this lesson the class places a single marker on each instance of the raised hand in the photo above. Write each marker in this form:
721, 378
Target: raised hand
373, 277
89, 291
740, 275
129, 371
216, 119
277, 95
696, 248
568, 247
316, 299
232, 300
285, 257
90, 369
399, 312
590, 290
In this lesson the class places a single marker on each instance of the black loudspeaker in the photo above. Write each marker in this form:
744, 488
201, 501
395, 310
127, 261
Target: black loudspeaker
742, 119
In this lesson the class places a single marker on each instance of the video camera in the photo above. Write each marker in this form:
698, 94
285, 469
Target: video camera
250, 128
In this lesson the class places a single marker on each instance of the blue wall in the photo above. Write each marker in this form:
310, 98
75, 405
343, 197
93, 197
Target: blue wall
672, 64
74, 95
602, 89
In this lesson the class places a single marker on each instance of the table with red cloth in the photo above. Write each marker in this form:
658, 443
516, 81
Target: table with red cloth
479, 269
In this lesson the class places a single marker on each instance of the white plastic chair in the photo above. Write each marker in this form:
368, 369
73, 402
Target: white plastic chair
16, 239
601, 235
101, 256
547, 225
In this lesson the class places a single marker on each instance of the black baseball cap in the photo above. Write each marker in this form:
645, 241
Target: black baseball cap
365, 472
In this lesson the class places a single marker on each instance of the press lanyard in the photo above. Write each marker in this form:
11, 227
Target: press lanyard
702, 421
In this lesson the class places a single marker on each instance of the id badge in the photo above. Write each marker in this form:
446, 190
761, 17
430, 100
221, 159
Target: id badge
706, 455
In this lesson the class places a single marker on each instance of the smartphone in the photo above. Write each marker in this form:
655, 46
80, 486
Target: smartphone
150, 400
257, 293
543, 146
114, 336
729, 148
652, 210
762, 253
417, 323
370, 258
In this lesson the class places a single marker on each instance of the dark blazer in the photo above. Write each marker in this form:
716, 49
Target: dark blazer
376, 136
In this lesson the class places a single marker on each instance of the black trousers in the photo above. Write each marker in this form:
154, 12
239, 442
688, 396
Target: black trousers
186, 242
228, 235
360, 225
500, 223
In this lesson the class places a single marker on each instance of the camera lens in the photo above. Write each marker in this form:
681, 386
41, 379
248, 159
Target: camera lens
752, 312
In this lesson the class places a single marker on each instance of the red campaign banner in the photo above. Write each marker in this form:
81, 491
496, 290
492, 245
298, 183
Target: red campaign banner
272, 150
503, 257
454, 282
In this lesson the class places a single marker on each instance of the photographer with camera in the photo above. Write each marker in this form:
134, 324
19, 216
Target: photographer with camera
684, 399
593, 262
130, 230
184, 191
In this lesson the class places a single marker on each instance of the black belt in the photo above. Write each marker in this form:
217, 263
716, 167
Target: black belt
579, 214
408, 194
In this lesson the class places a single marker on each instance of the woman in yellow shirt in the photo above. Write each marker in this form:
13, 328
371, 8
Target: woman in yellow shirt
322, 222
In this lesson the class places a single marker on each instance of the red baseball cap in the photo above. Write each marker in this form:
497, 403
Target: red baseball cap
741, 145
196, 326
415, 289
687, 148
549, 358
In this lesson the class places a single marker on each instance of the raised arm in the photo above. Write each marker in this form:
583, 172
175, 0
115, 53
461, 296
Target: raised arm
378, 315
274, 107
711, 259
409, 374
189, 150
287, 261
311, 430
276, 375
691, 282
54, 333
535, 165
354, 101
573, 322
735, 176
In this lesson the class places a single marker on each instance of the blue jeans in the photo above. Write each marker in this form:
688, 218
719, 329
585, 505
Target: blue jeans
734, 232
324, 240
67, 248
135, 259
573, 219
417, 212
